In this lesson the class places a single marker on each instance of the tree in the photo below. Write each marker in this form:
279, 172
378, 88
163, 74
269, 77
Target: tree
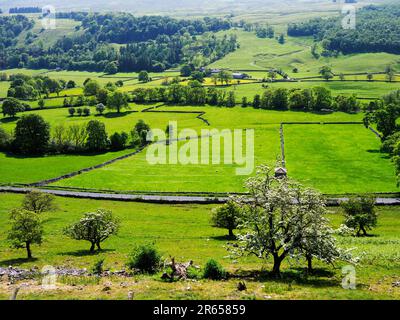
118, 140
139, 133
111, 68
102, 96
71, 111
143, 76
5, 139
277, 218
86, 112
32, 134
257, 101
230, 100
41, 103
95, 227
91, 88
370, 76
100, 108
244, 102
326, 72
360, 214
186, 70
71, 84
38, 202
11, 107
322, 98
26, 229
385, 118
96, 136
272, 75
281, 39
342, 76
117, 100
197, 75
226, 217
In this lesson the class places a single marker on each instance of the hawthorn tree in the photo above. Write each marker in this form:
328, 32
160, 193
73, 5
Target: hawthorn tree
360, 214
282, 219
94, 227
226, 217
26, 229
38, 202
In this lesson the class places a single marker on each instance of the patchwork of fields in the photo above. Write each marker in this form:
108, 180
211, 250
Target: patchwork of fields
336, 159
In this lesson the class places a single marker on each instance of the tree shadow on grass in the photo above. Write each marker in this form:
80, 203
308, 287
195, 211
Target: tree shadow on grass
9, 119
111, 115
319, 277
383, 154
84, 253
16, 262
224, 238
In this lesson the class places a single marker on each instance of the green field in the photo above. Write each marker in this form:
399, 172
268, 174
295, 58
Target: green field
184, 231
338, 159
372, 171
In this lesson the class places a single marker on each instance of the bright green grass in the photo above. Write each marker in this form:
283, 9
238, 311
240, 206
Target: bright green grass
184, 232
113, 121
255, 54
136, 174
338, 159
14, 169
4, 86
360, 89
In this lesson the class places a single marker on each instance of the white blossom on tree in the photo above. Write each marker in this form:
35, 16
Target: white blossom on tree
282, 219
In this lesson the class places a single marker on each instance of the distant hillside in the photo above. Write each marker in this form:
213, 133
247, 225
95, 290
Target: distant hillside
185, 6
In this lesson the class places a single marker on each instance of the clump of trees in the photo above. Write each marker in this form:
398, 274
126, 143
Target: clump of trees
150, 43
384, 114
32, 137
377, 30
316, 99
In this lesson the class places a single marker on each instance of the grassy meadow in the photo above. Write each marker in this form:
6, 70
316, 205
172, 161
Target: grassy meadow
338, 159
184, 232
359, 164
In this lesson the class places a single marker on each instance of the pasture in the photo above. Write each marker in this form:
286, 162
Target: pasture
358, 163
184, 231
338, 159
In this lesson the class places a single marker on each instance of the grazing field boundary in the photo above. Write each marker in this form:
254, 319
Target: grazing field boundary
199, 114
166, 199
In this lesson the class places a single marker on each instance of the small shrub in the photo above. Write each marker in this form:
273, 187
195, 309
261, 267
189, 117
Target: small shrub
194, 273
213, 270
145, 258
